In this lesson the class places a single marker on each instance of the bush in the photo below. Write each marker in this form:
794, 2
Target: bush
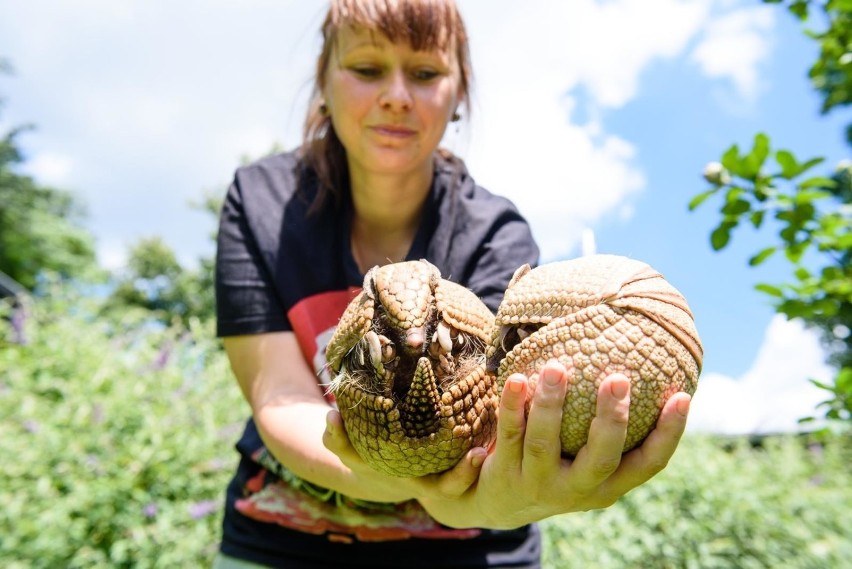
722, 503
116, 438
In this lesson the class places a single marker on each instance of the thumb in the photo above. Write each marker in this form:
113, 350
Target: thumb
336, 440
463, 475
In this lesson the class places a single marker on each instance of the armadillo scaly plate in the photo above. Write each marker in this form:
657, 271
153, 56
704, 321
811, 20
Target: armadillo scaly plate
598, 315
409, 362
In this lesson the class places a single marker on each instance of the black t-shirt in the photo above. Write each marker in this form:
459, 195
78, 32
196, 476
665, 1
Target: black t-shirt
280, 269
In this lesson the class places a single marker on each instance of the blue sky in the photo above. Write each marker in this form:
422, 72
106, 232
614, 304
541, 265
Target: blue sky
591, 116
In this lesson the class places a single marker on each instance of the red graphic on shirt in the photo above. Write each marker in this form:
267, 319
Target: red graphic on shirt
275, 496
314, 319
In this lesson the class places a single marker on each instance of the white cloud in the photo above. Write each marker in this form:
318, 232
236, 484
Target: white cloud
610, 44
735, 45
562, 173
50, 168
772, 395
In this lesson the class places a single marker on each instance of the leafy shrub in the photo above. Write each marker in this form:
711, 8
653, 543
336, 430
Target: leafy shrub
116, 437
784, 504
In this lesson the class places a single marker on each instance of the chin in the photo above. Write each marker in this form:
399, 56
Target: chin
394, 163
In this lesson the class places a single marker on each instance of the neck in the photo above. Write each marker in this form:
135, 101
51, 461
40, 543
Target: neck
387, 211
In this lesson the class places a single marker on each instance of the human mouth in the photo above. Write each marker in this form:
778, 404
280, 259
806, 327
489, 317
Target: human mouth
395, 131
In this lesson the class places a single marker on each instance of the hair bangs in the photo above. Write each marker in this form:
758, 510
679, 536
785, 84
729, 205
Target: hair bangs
426, 25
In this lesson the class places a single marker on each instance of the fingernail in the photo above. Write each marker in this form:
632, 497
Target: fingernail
619, 389
683, 405
552, 378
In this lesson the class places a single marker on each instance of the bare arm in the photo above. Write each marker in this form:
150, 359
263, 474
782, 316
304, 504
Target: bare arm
290, 413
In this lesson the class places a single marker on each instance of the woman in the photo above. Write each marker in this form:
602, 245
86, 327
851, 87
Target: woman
298, 231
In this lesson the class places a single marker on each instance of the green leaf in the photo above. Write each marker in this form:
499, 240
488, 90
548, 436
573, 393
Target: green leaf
788, 163
818, 182
757, 218
802, 274
790, 167
820, 384
810, 164
788, 234
736, 207
760, 150
800, 9
700, 198
720, 237
770, 290
812, 195
762, 256
794, 253
750, 164
731, 159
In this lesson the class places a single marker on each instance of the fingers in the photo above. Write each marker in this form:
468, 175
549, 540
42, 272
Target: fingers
456, 481
641, 464
602, 454
511, 424
542, 447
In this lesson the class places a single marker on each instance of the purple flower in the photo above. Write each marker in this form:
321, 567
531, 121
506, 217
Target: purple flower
150, 510
162, 357
31, 426
204, 508
18, 320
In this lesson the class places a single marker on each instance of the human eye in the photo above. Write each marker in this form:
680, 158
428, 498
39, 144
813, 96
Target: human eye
425, 74
366, 71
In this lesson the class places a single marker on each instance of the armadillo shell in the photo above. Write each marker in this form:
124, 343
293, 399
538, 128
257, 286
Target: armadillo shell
600, 315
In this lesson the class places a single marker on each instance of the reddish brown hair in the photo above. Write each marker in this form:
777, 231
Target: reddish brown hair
423, 24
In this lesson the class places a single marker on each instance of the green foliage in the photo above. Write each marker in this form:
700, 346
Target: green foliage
117, 438
787, 505
831, 73
813, 217
154, 280
39, 226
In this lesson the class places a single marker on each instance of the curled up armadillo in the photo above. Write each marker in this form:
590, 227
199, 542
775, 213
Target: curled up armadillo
419, 360
409, 364
598, 315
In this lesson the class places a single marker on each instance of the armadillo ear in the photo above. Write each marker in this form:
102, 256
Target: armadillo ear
356, 321
519, 274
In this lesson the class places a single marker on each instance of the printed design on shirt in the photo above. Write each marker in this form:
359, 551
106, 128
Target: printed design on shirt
277, 495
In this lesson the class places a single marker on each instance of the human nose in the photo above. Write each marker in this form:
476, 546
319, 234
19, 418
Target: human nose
396, 96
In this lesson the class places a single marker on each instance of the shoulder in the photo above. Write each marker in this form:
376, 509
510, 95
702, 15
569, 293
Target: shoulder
480, 237
263, 190
275, 177
470, 211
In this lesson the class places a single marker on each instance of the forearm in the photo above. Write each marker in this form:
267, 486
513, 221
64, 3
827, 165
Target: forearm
290, 413
293, 433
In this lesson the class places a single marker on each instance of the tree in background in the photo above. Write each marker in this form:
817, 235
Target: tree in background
813, 214
154, 279
40, 227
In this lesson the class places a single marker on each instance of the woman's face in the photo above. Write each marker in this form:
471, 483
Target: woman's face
389, 104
